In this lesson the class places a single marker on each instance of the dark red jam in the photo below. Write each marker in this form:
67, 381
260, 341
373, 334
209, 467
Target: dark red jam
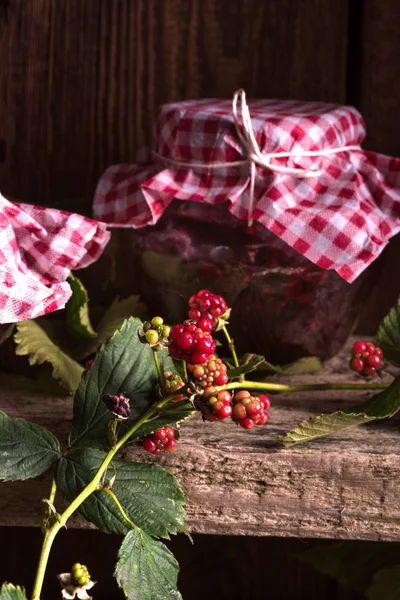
283, 306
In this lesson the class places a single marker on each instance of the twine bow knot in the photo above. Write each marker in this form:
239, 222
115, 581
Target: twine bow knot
253, 155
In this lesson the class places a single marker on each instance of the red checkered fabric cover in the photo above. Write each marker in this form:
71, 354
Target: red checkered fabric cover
340, 219
38, 248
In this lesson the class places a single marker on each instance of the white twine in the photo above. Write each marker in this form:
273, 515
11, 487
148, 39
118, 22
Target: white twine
254, 157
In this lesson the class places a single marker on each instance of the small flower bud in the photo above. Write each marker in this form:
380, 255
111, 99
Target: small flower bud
76, 583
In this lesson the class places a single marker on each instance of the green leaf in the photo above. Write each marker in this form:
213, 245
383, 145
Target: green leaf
34, 341
321, 426
150, 496
386, 585
113, 318
26, 450
251, 363
77, 310
306, 365
180, 412
123, 365
353, 564
10, 592
146, 569
382, 405
388, 336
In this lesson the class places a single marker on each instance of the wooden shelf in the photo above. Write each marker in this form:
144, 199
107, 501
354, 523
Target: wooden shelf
237, 482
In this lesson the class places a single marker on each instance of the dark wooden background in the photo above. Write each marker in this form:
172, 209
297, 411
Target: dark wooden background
80, 81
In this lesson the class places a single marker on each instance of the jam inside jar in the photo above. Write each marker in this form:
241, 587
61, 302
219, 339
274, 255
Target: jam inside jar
283, 306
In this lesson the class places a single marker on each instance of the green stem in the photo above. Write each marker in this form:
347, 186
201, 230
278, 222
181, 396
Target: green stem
44, 557
231, 346
53, 491
160, 372
85, 493
118, 505
184, 369
50, 510
273, 368
280, 387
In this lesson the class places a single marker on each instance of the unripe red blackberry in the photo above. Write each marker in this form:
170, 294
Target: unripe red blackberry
160, 439
190, 343
366, 358
250, 410
214, 404
206, 308
220, 403
213, 372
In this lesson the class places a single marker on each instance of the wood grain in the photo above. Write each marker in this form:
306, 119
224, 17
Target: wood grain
378, 101
380, 75
237, 482
80, 81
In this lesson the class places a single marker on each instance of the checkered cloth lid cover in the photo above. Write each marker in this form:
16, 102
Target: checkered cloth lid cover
38, 248
339, 219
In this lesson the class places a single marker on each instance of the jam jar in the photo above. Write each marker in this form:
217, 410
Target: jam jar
283, 306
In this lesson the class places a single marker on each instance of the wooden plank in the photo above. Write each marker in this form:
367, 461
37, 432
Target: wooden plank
80, 81
346, 486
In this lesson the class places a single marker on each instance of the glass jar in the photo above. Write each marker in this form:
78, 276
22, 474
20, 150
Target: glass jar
283, 306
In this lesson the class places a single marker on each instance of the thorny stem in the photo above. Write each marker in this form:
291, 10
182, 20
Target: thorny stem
53, 491
89, 489
231, 346
280, 387
118, 505
184, 369
274, 368
50, 506
160, 372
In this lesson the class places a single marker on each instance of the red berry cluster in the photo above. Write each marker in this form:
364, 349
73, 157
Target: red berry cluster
366, 358
243, 408
191, 343
160, 439
216, 405
206, 308
214, 372
250, 410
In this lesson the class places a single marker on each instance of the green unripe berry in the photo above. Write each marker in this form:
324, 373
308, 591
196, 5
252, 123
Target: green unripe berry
76, 567
152, 336
165, 331
157, 321
80, 574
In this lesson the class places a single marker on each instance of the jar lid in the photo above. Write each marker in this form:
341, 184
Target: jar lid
295, 167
